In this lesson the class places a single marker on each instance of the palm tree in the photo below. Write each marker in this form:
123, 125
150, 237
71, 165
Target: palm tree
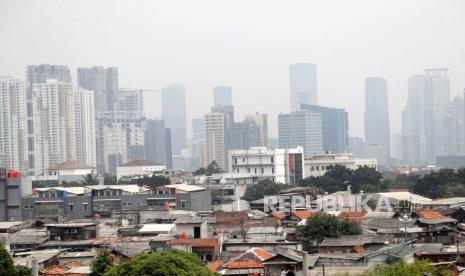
89, 180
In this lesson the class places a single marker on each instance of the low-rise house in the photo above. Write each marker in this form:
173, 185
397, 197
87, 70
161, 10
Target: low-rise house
354, 243
27, 239
266, 242
45, 258
246, 263
71, 268
138, 168
153, 229
193, 227
12, 226
71, 171
84, 258
287, 260
72, 231
390, 254
208, 249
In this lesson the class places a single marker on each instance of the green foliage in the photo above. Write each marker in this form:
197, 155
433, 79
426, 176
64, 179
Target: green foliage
401, 181
418, 268
261, 189
109, 179
211, 169
162, 263
7, 267
102, 263
441, 183
323, 226
153, 181
339, 177
89, 180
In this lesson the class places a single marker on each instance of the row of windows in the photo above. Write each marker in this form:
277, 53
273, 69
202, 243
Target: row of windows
255, 170
243, 160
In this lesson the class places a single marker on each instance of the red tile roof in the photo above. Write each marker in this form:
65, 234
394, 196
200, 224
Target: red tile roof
215, 265
304, 214
245, 264
262, 254
205, 242
359, 249
359, 214
430, 214
279, 215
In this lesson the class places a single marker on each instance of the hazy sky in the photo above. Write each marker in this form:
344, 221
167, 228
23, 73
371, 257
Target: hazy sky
245, 44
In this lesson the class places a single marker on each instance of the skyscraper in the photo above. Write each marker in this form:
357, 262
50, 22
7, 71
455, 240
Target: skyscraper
130, 101
261, 121
377, 129
214, 148
335, 127
86, 150
222, 95
40, 74
155, 142
301, 128
245, 135
54, 124
13, 124
173, 112
413, 122
302, 78
103, 81
228, 116
437, 100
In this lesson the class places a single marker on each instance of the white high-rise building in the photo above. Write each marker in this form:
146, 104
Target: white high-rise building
86, 151
214, 147
54, 124
13, 124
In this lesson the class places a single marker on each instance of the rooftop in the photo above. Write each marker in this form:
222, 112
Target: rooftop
205, 242
304, 214
141, 163
5, 225
430, 214
194, 220
186, 187
72, 165
153, 228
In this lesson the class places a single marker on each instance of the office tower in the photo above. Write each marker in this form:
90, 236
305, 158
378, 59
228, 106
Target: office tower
104, 82
54, 124
228, 115
197, 128
168, 149
302, 77
335, 127
301, 128
222, 95
130, 101
173, 112
450, 132
245, 135
214, 148
437, 100
397, 141
357, 146
112, 86
261, 120
459, 109
413, 122
155, 142
377, 130
40, 73
13, 124
86, 150
120, 139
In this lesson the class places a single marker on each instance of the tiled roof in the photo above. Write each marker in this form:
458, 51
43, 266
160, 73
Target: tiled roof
205, 242
246, 264
71, 165
262, 254
359, 214
430, 214
140, 163
215, 265
359, 249
304, 214
279, 215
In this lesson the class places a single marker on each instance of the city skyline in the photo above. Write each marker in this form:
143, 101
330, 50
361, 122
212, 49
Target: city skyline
342, 67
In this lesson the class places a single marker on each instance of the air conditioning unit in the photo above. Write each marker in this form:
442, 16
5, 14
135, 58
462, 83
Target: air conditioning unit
58, 238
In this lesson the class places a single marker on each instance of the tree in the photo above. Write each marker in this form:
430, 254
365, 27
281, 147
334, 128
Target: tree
323, 226
153, 181
162, 263
102, 263
109, 179
339, 177
417, 268
7, 267
261, 189
441, 183
209, 170
89, 179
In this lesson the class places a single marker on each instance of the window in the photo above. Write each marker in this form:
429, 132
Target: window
248, 170
243, 160
237, 170
71, 207
85, 206
263, 170
272, 170
129, 203
255, 169
138, 203
272, 159
183, 204
235, 160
